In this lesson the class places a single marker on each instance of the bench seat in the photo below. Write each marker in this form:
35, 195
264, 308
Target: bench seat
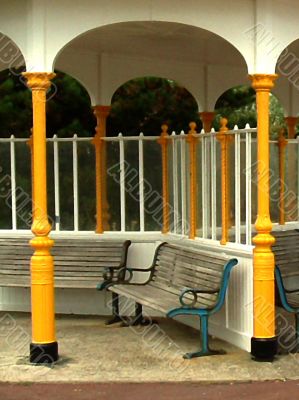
182, 281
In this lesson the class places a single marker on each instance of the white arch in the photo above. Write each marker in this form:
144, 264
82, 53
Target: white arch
11, 55
205, 15
84, 69
116, 70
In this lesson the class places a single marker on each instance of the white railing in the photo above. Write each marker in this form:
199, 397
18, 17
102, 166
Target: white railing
209, 179
134, 192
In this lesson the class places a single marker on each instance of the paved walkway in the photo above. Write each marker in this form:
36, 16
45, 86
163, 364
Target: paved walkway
92, 352
149, 391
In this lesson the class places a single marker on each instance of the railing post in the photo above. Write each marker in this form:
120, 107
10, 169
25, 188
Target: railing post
102, 207
282, 143
264, 341
163, 141
183, 182
223, 138
44, 347
192, 140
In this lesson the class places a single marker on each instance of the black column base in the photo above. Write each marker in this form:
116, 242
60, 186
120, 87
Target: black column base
263, 349
43, 353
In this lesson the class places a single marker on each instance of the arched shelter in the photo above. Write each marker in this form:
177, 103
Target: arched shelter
207, 50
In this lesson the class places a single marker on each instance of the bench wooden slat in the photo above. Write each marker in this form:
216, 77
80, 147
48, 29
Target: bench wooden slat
78, 263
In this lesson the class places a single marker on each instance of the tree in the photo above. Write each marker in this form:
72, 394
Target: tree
144, 104
239, 107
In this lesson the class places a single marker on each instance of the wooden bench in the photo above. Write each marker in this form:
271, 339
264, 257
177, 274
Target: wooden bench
182, 281
286, 251
79, 262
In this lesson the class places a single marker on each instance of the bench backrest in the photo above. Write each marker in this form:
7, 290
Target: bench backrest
78, 262
177, 267
286, 251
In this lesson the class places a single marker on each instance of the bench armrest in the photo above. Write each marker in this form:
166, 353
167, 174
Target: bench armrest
116, 276
194, 292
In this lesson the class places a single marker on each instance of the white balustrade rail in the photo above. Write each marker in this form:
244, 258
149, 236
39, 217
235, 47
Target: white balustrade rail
208, 177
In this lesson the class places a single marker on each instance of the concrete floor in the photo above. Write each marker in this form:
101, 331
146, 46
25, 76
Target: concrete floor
92, 352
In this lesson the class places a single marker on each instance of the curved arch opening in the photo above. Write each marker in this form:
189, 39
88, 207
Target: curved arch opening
69, 110
68, 107
238, 105
143, 104
139, 37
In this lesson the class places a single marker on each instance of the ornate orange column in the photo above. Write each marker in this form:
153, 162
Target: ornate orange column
192, 139
30, 145
44, 347
102, 207
282, 143
264, 341
291, 124
163, 141
207, 119
224, 139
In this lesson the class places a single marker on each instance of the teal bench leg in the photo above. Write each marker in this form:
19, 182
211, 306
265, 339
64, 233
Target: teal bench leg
205, 350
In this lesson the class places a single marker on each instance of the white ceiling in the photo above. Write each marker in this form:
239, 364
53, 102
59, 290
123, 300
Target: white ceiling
159, 39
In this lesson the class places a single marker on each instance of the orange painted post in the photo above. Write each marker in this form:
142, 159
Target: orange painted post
224, 139
192, 140
30, 145
264, 341
163, 141
207, 119
44, 347
282, 143
102, 207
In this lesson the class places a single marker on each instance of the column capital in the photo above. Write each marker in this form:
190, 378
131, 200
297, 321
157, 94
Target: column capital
208, 115
101, 111
290, 120
263, 82
291, 124
39, 80
207, 119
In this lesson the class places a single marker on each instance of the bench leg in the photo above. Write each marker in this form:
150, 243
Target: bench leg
205, 350
115, 310
139, 319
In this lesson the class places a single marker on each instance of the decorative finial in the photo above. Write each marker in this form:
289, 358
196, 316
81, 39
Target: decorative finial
192, 127
223, 123
164, 128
